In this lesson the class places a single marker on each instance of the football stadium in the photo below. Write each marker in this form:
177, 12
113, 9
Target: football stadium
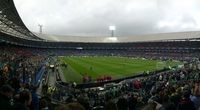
140, 72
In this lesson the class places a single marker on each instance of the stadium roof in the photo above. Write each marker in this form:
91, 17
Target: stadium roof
11, 23
195, 35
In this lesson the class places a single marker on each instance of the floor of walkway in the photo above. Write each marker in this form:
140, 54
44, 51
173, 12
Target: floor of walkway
61, 74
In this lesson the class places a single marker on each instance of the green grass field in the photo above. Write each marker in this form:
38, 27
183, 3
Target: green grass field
116, 67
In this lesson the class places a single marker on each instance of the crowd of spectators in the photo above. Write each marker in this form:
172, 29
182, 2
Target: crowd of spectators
171, 90
177, 89
19, 69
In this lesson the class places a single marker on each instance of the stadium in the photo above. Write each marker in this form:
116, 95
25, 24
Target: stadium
96, 73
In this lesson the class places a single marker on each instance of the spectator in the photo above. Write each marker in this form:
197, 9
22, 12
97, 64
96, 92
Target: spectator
185, 103
24, 101
195, 96
43, 104
70, 106
122, 103
6, 93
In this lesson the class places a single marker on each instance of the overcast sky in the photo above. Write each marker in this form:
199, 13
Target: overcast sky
93, 17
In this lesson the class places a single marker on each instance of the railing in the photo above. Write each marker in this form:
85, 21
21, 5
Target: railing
39, 74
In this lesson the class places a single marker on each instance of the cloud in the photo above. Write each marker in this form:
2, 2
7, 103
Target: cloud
178, 15
93, 17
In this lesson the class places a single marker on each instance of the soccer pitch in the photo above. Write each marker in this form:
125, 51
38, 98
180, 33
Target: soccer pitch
117, 67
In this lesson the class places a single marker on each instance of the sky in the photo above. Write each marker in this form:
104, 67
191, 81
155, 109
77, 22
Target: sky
93, 17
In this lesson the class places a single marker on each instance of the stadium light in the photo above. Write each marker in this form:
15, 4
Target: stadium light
40, 27
112, 29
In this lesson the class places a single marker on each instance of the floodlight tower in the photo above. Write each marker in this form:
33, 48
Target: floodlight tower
40, 26
112, 29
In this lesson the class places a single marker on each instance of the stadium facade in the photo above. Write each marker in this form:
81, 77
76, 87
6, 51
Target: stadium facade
14, 32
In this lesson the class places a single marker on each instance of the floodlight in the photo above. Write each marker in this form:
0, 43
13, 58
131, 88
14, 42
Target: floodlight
112, 28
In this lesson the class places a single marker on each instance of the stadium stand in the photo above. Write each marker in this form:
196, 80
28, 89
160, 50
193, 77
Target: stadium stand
24, 66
